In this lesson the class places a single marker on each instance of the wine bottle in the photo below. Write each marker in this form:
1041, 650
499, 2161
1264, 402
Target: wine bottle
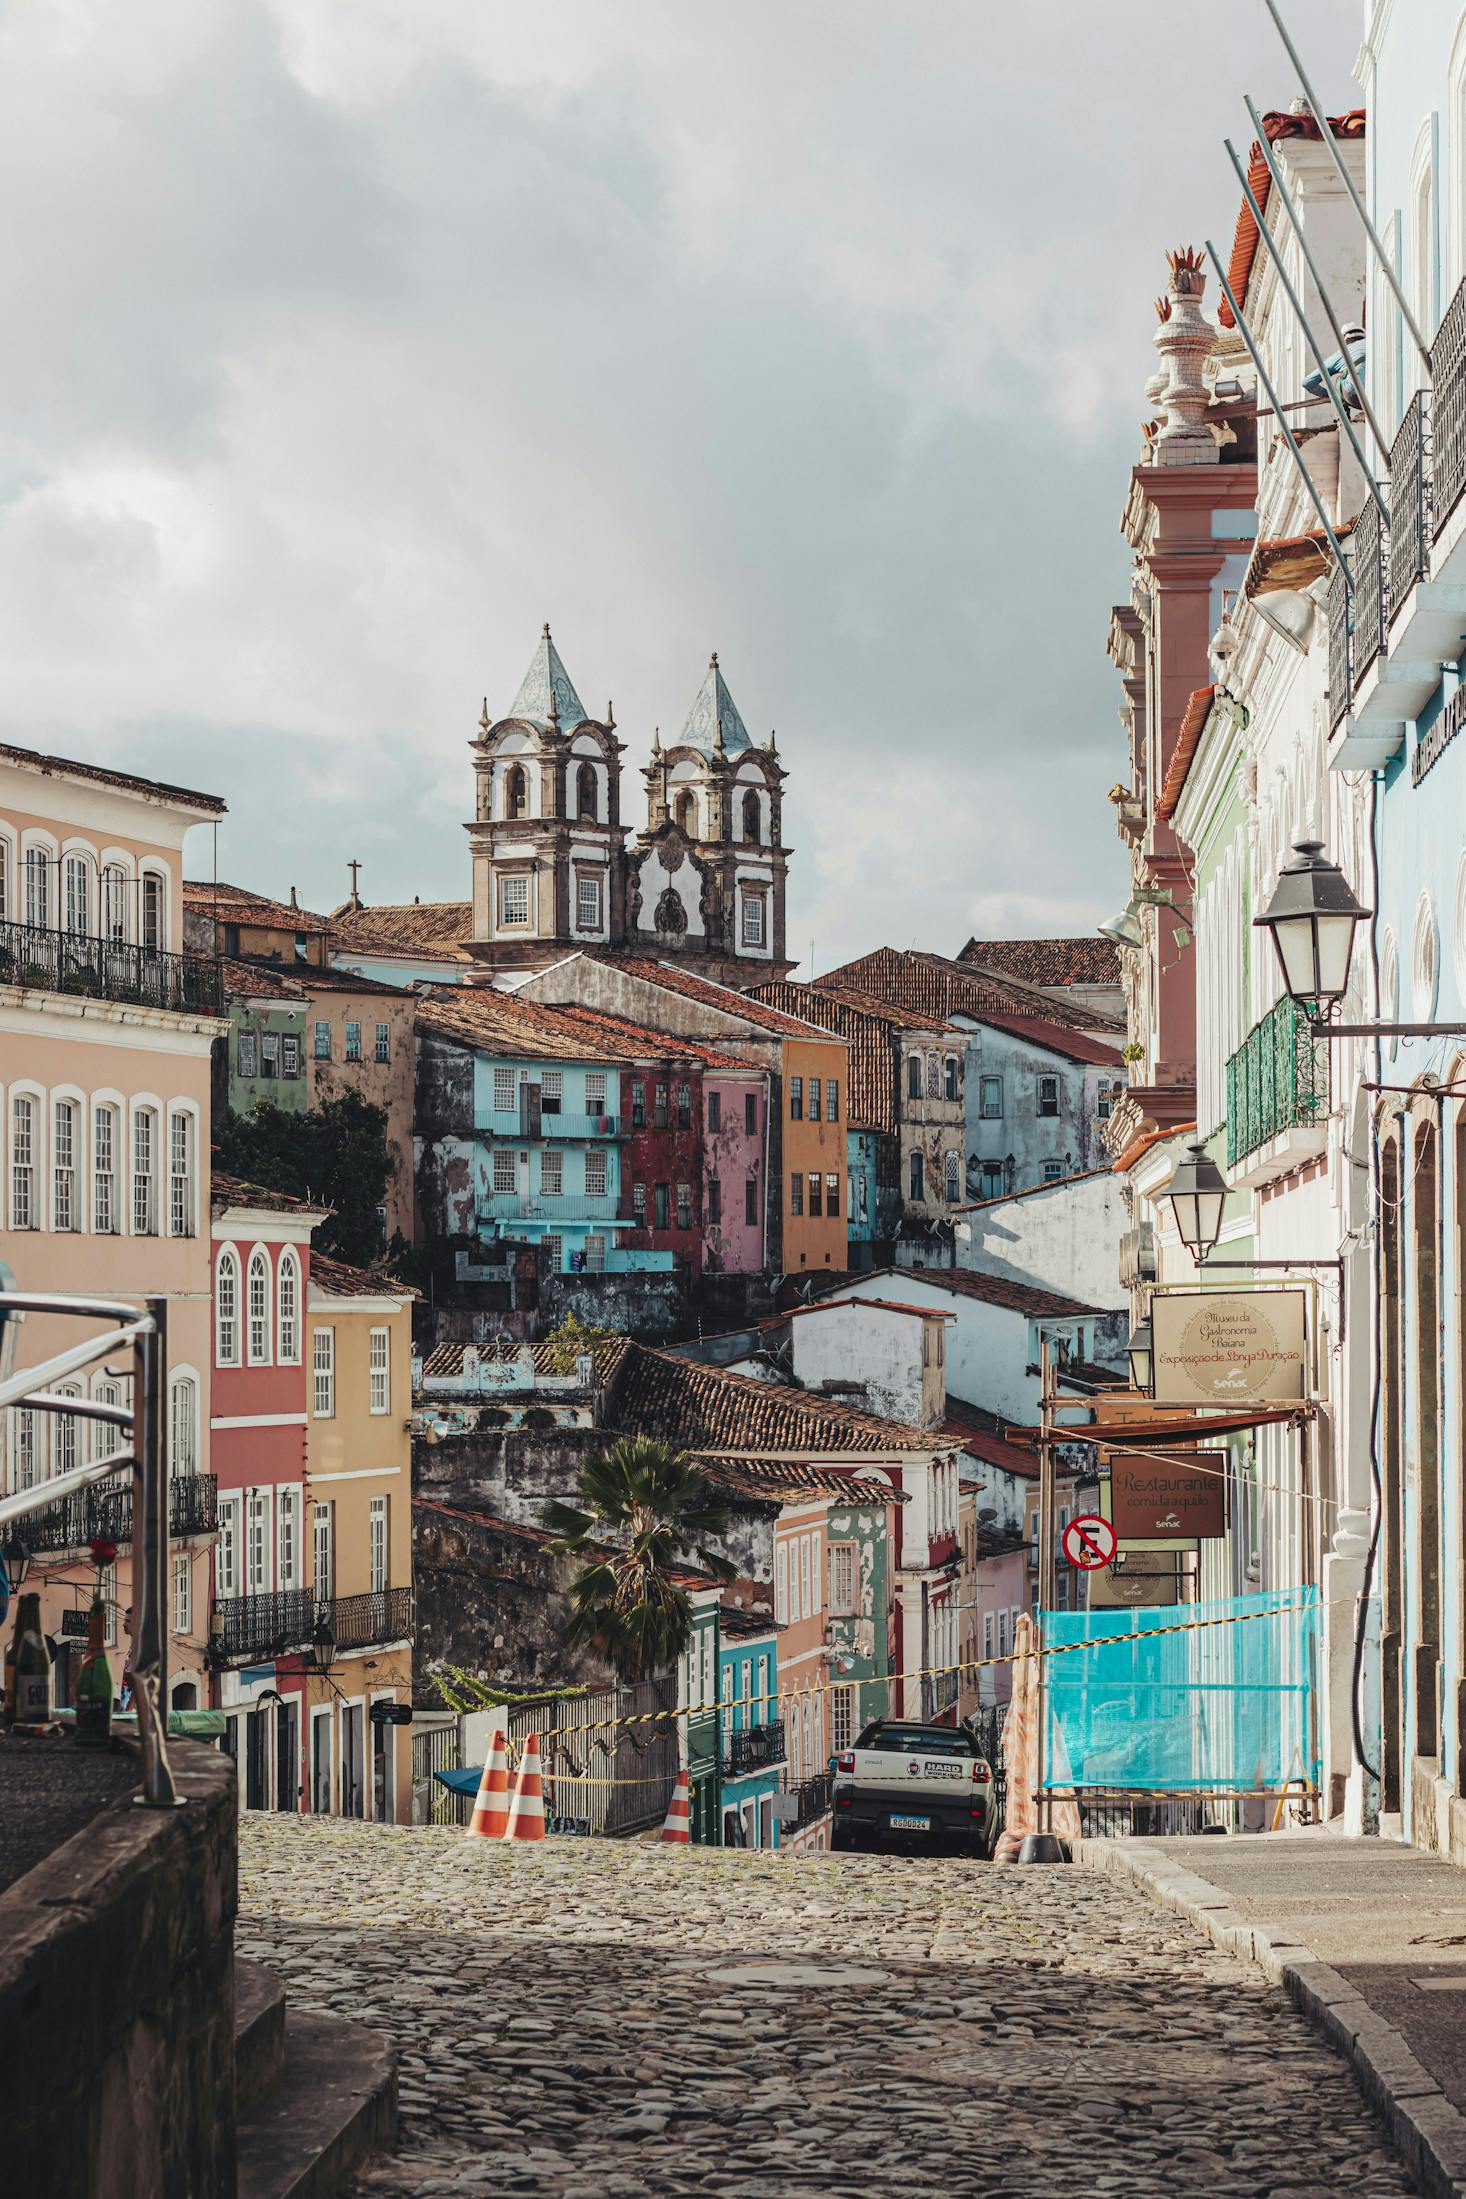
32, 1667
94, 1684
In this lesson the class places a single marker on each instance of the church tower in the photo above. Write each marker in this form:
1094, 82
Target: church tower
707, 877
547, 841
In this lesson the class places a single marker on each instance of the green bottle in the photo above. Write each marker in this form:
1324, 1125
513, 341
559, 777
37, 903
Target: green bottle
32, 1699
94, 1684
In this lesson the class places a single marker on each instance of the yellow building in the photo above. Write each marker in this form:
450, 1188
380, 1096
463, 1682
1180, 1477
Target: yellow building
359, 1502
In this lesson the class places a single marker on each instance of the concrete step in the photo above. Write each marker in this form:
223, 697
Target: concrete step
333, 2103
259, 2031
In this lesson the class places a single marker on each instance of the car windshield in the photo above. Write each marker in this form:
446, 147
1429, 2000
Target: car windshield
918, 1741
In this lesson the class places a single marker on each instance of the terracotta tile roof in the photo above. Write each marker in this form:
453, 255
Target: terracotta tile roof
936, 986
1291, 561
434, 930
259, 981
705, 1408
639, 1041
777, 1480
1245, 239
315, 980
337, 1280
237, 905
66, 767
447, 1359
981, 1434
747, 1626
871, 1029
1140, 1145
692, 987
1074, 1045
226, 1191
886, 1305
1048, 961
1033, 1190
481, 1016
993, 1290
1188, 740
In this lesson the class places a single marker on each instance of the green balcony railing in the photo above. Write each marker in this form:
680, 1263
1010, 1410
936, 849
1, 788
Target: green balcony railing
1277, 1080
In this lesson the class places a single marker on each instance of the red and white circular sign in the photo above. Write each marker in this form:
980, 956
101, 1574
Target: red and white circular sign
1089, 1542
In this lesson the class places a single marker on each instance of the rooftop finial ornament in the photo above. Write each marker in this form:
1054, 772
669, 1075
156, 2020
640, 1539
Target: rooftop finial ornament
483, 722
1185, 340
545, 631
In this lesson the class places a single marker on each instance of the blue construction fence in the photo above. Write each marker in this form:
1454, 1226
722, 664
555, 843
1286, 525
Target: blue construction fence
1201, 1697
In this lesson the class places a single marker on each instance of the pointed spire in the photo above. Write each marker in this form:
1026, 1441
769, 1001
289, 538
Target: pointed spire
713, 724
610, 716
547, 682
656, 740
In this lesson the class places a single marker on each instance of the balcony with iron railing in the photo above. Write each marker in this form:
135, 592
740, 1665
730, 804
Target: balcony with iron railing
813, 1797
546, 1211
105, 1512
753, 1748
1277, 1093
364, 1622
44, 960
516, 1129
255, 1629
939, 1692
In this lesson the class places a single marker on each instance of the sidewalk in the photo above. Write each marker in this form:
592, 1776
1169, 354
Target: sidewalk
1367, 1936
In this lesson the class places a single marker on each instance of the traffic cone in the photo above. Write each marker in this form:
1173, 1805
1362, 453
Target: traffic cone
527, 1810
677, 1826
491, 1804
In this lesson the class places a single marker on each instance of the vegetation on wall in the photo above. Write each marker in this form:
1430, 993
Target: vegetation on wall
334, 1156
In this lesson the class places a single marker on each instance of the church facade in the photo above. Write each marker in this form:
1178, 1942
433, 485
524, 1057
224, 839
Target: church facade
556, 868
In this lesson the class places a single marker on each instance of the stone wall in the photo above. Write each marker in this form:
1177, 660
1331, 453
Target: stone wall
117, 2001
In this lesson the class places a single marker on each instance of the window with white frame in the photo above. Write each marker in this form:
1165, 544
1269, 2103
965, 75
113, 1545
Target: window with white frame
257, 1307
505, 1102
65, 1205
323, 1552
553, 1246
638, 1201
844, 1580
503, 1169
842, 1717
182, 1593
104, 1171
595, 1255
226, 1308
753, 919
816, 1578
257, 1542
353, 1040
288, 1308
114, 902
595, 1091
226, 1550
552, 1172
180, 1174
987, 1634
145, 1173
25, 1450
287, 1538
514, 899
322, 1039
588, 904
155, 918
990, 1098
107, 1590
24, 1163
381, 1370
289, 1055
805, 1606
65, 1444
323, 1370
1048, 1095
595, 1175
781, 1582
37, 887
6, 865
183, 1417
952, 1176
382, 1042
247, 1053
377, 1555
77, 879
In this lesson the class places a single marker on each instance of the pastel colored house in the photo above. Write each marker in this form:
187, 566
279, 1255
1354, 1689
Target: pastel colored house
752, 1728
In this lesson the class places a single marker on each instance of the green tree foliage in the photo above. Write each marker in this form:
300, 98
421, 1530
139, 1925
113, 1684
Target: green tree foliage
335, 1156
573, 1339
646, 1512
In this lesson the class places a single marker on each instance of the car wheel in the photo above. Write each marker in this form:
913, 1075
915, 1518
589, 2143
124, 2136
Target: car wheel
842, 1840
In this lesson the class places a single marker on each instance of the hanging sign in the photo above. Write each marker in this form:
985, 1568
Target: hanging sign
1137, 1579
1089, 1542
1229, 1347
1172, 1499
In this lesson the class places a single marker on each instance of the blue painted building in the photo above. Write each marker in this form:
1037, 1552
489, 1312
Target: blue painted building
752, 1729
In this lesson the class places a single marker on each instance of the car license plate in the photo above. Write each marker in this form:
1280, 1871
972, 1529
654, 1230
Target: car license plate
901, 1824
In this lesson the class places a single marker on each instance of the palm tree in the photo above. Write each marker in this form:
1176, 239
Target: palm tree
647, 1510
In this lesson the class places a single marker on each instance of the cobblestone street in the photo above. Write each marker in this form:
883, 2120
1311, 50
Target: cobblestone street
588, 2018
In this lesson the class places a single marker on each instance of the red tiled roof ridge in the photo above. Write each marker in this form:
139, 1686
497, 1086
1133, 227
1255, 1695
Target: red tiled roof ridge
664, 1045
1058, 1039
434, 929
338, 1279
694, 986
1245, 239
911, 977
1088, 959
703, 1407
1188, 740
206, 894
997, 1290
227, 1191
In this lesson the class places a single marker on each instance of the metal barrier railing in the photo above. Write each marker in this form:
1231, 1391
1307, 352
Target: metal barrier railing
143, 1423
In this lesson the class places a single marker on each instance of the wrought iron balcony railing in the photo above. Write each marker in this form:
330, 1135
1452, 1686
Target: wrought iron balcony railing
814, 1799
938, 1693
1410, 492
1371, 597
1448, 411
108, 969
1277, 1080
1341, 694
105, 1512
753, 1748
358, 1622
259, 1627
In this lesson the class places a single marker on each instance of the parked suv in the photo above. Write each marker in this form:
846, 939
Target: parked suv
916, 1784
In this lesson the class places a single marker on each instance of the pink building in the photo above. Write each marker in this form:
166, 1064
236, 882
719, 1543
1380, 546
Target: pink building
262, 1607
736, 1161
106, 1029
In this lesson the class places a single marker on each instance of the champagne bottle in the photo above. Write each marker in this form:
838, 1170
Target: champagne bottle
94, 1684
32, 1666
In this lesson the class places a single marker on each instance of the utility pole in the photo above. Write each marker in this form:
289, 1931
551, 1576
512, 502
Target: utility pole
1041, 1846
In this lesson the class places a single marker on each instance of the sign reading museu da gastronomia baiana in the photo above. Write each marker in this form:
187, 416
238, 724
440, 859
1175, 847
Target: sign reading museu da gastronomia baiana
1229, 1347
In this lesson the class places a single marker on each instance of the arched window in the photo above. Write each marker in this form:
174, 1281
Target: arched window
78, 881
226, 1308
114, 902
183, 1445
257, 1297
37, 886
586, 800
913, 1076
289, 1308
516, 792
952, 1170
684, 811
950, 1069
933, 1077
916, 1176
751, 831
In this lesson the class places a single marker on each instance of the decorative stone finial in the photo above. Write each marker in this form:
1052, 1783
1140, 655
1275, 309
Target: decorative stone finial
1185, 340
610, 717
483, 722
656, 740
713, 661
545, 631
554, 710
773, 742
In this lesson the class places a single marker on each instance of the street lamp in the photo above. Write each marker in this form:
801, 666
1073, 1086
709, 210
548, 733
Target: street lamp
1197, 1193
1312, 917
1124, 929
1141, 1352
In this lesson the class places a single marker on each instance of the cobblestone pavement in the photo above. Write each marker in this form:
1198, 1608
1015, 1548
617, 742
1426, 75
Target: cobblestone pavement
584, 2019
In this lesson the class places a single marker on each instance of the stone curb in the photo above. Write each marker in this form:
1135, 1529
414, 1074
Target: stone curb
1428, 2132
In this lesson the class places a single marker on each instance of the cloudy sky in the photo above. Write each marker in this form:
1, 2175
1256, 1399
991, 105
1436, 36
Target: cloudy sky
347, 343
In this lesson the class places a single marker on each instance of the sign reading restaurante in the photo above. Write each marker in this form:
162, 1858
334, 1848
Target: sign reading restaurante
1229, 1347
1176, 1498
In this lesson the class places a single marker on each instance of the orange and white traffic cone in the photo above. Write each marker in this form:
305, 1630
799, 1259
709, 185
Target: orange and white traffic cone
491, 1805
527, 1810
677, 1826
